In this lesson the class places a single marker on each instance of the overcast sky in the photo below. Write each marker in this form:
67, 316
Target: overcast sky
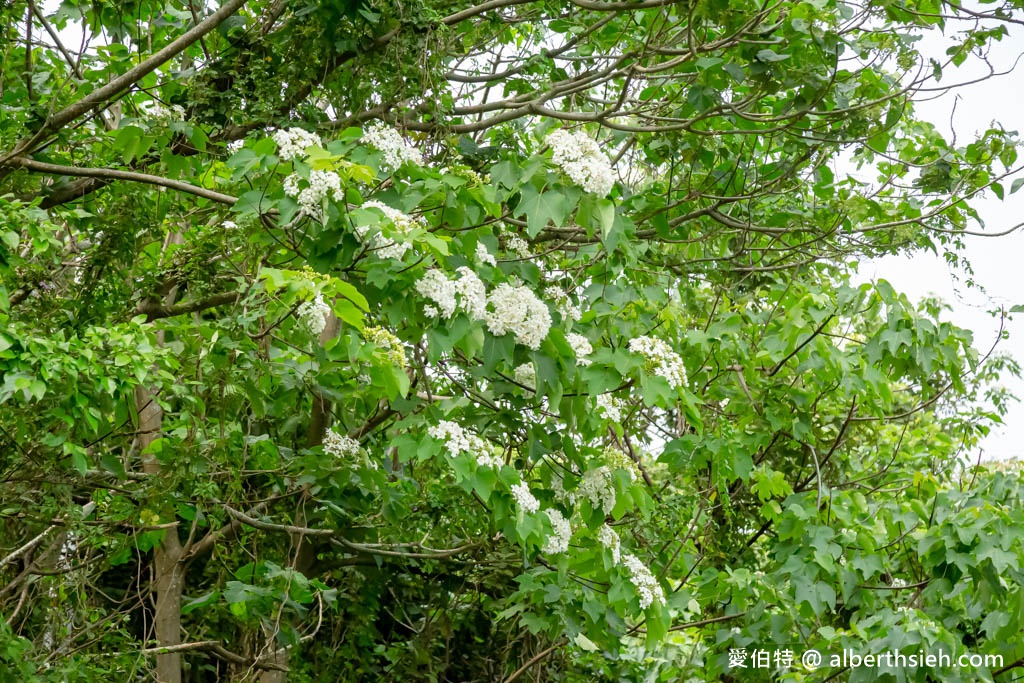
998, 262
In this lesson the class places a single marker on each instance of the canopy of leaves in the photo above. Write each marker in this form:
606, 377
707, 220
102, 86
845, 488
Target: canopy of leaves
327, 353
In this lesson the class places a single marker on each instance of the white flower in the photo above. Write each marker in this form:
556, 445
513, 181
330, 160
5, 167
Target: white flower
339, 445
607, 537
524, 498
518, 246
611, 406
229, 225
436, 286
597, 487
472, 293
647, 587
581, 159
518, 310
566, 308
431, 311
319, 186
313, 314
580, 346
667, 363
394, 147
561, 495
161, 114
484, 256
526, 375
235, 145
458, 440
403, 224
292, 143
561, 533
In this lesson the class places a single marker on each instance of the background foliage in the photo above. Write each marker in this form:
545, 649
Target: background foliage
175, 502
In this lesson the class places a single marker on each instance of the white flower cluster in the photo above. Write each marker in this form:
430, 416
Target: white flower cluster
403, 223
526, 375
229, 225
611, 406
313, 314
524, 498
320, 186
582, 160
609, 539
558, 541
162, 114
667, 363
340, 445
389, 343
561, 495
563, 304
484, 256
292, 143
235, 145
617, 460
458, 440
597, 487
647, 587
471, 291
508, 308
518, 310
391, 143
580, 346
518, 246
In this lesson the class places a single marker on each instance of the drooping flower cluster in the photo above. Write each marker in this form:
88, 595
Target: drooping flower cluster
667, 363
484, 256
597, 487
320, 186
292, 143
563, 304
526, 375
558, 541
403, 224
607, 537
611, 406
581, 159
647, 587
580, 346
313, 314
458, 440
518, 310
340, 445
524, 498
391, 143
389, 343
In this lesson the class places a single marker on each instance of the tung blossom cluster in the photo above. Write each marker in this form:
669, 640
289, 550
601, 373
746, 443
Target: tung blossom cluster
526, 375
611, 407
508, 308
389, 343
647, 587
581, 159
667, 363
607, 537
558, 541
292, 143
517, 309
581, 347
320, 186
340, 445
524, 498
313, 314
391, 143
563, 304
458, 440
403, 224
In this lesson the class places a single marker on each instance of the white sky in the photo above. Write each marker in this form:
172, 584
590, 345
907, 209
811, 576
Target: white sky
997, 261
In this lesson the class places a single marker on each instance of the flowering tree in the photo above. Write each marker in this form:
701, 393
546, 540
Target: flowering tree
453, 341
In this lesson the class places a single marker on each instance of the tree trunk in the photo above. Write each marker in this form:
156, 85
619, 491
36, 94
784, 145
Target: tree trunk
168, 582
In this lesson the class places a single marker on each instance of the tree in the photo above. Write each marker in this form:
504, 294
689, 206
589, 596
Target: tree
451, 341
